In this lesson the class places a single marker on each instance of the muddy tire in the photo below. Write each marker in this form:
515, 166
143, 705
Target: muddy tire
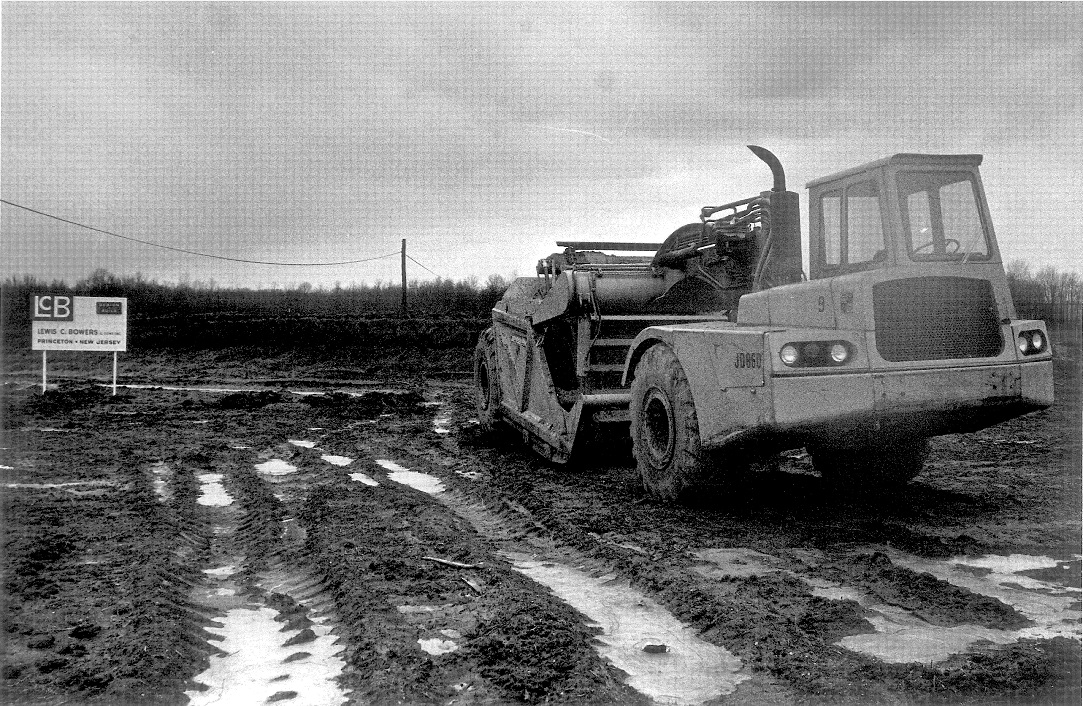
889, 465
670, 459
486, 381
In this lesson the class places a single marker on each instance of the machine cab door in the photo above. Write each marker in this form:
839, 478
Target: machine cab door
848, 227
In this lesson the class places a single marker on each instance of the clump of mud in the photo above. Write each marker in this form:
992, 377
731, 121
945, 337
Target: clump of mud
531, 647
99, 604
66, 397
33, 559
250, 400
515, 641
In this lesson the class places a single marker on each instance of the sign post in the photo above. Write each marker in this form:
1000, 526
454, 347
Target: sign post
62, 322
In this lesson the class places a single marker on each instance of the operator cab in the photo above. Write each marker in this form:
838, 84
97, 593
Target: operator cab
906, 210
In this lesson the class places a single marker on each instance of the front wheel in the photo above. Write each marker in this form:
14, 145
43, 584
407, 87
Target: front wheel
670, 458
486, 381
887, 465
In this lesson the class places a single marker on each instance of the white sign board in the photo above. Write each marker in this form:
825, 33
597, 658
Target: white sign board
62, 322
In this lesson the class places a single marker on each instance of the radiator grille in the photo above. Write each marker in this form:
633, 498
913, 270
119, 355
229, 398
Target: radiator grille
936, 318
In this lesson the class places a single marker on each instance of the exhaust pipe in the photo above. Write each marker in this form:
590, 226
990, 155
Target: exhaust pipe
774, 164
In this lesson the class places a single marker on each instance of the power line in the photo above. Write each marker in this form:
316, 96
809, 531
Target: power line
421, 266
199, 254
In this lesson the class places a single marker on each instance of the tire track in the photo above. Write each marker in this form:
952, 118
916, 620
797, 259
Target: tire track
785, 624
271, 646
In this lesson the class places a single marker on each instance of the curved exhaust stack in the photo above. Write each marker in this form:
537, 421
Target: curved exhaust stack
779, 257
774, 164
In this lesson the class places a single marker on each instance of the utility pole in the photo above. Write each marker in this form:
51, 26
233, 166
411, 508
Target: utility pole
404, 278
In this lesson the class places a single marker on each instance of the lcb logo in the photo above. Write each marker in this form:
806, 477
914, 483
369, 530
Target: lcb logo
52, 307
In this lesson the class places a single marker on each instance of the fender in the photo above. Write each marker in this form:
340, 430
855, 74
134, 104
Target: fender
727, 370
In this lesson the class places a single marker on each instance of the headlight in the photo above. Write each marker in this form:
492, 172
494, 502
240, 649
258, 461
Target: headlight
815, 354
1031, 342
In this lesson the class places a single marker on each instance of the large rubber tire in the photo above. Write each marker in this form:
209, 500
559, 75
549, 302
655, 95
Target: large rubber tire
487, 382
670, 459
888, 465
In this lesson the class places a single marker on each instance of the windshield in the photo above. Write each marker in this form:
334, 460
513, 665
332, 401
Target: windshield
941, 218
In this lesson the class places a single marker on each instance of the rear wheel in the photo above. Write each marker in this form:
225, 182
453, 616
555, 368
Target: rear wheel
891, 464
669, 457
486, 381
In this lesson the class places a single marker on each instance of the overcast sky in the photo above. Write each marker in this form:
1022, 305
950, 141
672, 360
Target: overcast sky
483, 133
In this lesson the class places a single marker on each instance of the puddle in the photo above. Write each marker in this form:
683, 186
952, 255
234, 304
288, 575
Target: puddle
275, 467
221, 571
162, 474
1053, 607
337, 460
232, 390
43, 486
418, 481
687, 671
928, 645
436, 646
70, 488
738, 562
440, 425
239, 447
213, 494
303, 444
472, 475
902, 636
258, 666
1007, 564
363, 478
407, 609
6, 468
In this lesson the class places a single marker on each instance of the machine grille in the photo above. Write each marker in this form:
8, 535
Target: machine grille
936, 318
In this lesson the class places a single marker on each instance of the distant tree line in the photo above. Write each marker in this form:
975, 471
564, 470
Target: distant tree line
442, 313
1048, 293
151, 299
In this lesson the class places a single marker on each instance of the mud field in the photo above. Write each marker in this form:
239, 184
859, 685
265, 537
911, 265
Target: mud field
326, 539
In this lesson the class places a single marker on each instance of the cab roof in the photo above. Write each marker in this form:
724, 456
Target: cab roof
958, 160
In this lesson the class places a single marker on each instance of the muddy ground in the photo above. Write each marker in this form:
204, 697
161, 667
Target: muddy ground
369, 545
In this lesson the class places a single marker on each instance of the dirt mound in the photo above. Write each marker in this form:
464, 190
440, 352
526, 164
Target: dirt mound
250, 400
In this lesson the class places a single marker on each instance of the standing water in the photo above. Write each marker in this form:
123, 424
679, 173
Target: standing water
664, 659
419, 481
259, 666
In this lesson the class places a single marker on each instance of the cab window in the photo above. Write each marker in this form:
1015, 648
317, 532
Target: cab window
851, 234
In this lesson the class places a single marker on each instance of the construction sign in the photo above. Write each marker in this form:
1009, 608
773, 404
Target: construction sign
62, 322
